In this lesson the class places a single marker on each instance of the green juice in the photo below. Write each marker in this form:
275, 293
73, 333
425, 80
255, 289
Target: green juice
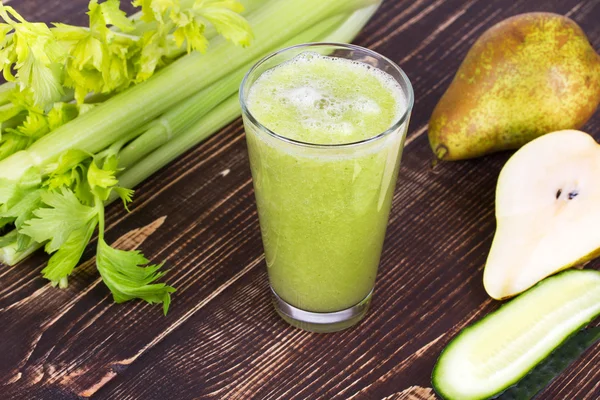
323, 208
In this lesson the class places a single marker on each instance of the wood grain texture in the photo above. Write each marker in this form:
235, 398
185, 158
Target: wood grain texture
413, 393
222, 338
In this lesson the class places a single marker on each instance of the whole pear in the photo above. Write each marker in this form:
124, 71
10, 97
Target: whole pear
526, 76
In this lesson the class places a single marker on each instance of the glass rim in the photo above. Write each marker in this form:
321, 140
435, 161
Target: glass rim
393, 128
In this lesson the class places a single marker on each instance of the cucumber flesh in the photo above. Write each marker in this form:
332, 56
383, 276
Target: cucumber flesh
494, 353
554, 365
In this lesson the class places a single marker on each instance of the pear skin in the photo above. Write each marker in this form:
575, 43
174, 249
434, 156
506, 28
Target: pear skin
526, 76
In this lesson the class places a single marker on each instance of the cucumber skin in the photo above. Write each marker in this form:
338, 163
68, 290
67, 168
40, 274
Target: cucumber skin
440, 392
545, 372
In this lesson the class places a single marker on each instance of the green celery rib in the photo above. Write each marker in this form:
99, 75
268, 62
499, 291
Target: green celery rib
180, 118
9, 254
103, 125
219, 117
352, 26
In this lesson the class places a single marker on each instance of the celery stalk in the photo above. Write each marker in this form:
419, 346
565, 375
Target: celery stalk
352, 26
9, 254
180, 118
216, 119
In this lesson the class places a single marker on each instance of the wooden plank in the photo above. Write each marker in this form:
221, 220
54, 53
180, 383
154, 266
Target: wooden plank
222, 338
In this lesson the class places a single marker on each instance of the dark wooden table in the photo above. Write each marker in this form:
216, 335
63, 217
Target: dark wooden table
222, 338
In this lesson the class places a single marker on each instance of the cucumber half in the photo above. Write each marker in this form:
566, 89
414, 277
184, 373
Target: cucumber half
494, 353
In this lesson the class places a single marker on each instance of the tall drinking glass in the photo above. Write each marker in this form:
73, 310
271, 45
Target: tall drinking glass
325, 126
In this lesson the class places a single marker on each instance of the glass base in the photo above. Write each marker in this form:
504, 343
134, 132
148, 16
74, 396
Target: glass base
321, 322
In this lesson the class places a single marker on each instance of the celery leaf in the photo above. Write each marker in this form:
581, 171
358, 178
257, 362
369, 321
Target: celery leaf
127, 278
99, 177
154, 48
33, 51
101, 180
12, 192
99, 59
11, 143
126, 196
113, 15
55, 223
224, 16
60, 114
62, 263
22, 210
34, 126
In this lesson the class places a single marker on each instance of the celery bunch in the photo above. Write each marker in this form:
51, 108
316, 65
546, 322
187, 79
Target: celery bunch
53, 192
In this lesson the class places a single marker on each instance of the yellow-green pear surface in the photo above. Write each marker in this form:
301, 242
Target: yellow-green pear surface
526, 76
547, 212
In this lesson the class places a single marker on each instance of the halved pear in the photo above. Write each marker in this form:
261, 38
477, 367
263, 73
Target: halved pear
547, 212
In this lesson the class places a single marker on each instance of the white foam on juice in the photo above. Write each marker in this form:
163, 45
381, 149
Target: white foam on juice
321, 99
367, 105
302, 97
